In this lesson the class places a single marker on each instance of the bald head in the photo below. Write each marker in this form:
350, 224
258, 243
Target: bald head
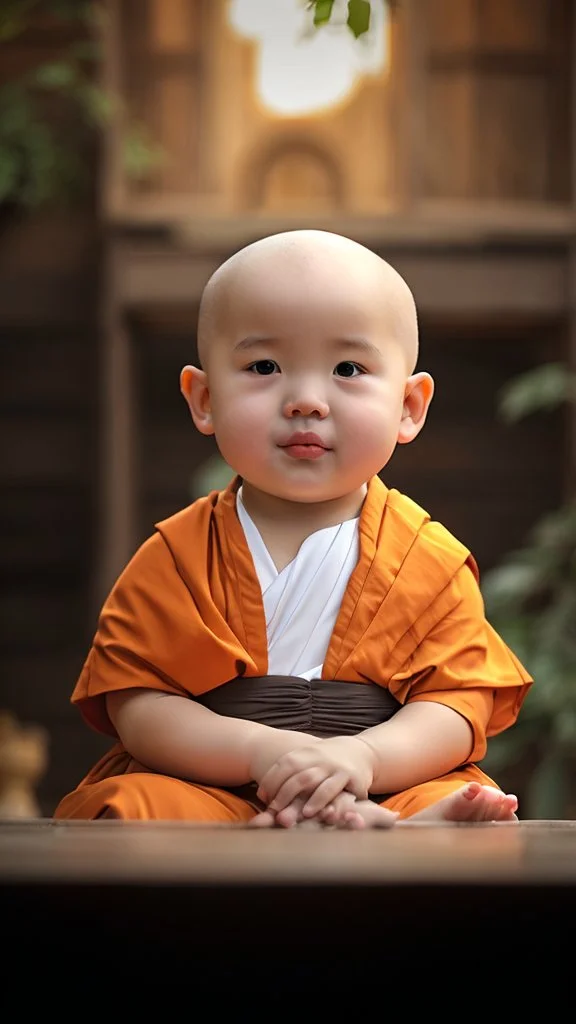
312, 262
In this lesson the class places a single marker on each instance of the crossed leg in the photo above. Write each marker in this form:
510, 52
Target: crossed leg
472, 802
465, 795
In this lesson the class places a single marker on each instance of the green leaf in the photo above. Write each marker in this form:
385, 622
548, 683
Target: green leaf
508, 585
358, 20
140, 154
322, 11
543, 388
557, 529
99, 105
57, 75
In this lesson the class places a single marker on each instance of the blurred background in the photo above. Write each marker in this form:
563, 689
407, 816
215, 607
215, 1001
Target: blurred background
142, 142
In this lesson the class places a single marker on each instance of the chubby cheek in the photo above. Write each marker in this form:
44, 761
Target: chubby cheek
240, 426
233, 410
373, 433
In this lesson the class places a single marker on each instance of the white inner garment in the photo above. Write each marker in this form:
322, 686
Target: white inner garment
301, 602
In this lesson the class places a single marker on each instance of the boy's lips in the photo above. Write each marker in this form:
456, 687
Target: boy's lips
304, 445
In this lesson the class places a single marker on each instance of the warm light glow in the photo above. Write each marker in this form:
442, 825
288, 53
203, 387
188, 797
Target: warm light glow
301, 69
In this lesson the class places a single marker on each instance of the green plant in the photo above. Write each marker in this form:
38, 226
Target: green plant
358, 14
50, 113
531, 600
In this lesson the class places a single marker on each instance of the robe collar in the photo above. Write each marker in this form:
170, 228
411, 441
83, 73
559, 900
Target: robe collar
405, 562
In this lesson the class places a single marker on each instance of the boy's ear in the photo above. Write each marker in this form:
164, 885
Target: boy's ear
194, 387
417, 397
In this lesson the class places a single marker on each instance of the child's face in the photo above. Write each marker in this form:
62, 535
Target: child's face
305, 384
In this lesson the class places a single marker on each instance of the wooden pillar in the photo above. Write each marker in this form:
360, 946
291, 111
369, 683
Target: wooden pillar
117, 414
409, 118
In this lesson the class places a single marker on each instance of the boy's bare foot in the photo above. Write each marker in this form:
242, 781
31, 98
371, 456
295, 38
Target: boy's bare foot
346, 812
473, 802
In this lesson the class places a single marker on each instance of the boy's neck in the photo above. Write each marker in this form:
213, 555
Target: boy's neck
285, 525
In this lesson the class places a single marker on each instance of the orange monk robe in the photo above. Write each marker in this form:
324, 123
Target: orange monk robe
186, 616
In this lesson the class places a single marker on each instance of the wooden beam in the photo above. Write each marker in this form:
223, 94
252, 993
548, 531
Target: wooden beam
479, 284
149, 277
451, 280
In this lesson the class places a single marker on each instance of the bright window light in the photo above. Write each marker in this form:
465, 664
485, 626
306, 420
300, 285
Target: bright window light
303, 70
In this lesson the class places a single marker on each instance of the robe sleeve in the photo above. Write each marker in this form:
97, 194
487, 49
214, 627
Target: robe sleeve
460, 661
151, 635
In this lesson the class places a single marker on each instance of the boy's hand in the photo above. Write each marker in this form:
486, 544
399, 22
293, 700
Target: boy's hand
290, 816
268, 747
345, 812
319, 771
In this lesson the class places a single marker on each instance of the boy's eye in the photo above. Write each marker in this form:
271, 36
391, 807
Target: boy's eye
348, 369
264, 367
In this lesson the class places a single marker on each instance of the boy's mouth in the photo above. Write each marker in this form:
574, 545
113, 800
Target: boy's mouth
304, 445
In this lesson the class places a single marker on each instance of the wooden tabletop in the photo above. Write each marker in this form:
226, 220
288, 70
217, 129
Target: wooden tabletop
165, 853
230, 909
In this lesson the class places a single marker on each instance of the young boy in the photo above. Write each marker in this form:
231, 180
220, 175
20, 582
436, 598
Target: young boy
306, 644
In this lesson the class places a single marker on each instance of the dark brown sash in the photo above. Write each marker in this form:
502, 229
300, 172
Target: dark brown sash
322, 707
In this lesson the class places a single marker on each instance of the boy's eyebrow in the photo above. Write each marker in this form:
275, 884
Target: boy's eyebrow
361, 344
252, 340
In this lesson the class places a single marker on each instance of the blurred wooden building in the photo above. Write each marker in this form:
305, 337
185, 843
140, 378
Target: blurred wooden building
450, 153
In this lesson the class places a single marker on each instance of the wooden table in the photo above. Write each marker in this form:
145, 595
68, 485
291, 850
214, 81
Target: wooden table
348, 904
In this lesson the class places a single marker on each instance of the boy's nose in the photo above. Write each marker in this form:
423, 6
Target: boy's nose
306, 405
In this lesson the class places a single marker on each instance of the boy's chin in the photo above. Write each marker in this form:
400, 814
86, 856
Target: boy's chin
300, 494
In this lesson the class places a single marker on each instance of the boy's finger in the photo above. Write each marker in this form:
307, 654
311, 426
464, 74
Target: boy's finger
304, 782
291, 815
263, 820
325, 793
